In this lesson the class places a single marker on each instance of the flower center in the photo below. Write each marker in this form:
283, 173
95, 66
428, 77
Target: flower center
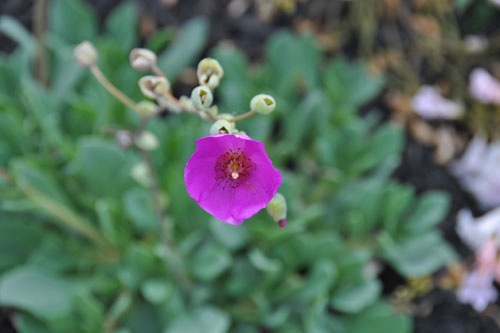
233, 168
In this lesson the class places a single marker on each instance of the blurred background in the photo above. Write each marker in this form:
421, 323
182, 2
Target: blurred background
385, 131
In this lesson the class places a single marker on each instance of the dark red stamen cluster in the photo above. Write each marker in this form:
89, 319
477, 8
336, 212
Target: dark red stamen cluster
233, 168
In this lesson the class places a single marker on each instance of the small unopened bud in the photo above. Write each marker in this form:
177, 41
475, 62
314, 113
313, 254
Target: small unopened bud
277, 209
146, 141
123, 139
202, 97
222, 127
153, 86
140, 173
263, 104
209, 73
85, 54
142, 59
146, 109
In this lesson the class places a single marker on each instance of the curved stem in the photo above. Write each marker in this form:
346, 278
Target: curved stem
243, 116
117, 93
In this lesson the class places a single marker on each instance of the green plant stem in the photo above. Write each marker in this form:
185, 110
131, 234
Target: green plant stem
165, 224
243, 116
39, 26
117, 93
66, 216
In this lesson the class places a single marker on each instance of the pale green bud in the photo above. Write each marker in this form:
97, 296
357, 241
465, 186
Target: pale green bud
154, 86
202, 97
146, 141
146, 109
85, 54
277, 209
142, 59
222, 127
140, 173
209, 73
263, 104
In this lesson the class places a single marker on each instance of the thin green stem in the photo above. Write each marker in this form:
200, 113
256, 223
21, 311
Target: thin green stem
117, 93
66, 216
243, 116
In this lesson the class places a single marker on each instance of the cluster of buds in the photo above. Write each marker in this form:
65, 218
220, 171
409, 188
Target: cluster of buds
236, 166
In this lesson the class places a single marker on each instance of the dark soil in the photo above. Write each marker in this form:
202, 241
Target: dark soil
436, 312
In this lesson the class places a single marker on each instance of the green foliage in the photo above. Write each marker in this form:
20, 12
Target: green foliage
81, 249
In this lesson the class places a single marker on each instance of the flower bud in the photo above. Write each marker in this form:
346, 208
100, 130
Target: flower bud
202, 97
85, 54
154, 86
263, 104
146, 109
222, 127
209, 73
123, 139
146, 141
141, 175
142, 59
277, 209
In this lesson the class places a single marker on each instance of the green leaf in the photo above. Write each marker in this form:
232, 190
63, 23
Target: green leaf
419, 255
26, 323
322, 277
232, 237
430, 209
206, 320
210, 261
122, 25
156, 291
31, 176
138, 206
379, 317
350, 85
185, 49
18, 239
102, 166
15, 30
38, 292
355, 297
72, 20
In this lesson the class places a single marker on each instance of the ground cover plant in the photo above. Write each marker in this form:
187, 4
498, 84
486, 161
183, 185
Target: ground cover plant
257, 198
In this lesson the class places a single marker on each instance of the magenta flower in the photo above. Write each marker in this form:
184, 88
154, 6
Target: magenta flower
231, 177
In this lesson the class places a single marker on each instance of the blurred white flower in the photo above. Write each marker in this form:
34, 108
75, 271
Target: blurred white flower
429, 104
484, 87
477, 170
477, 289
475, 43
476, 232
495, 2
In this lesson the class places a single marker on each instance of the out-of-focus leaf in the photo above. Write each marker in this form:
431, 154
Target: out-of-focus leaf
18, 238
36, 291
431, 208
322, 277
72, 20
122, 25
379, 317
355, 297
139, 209
229, 235
102, 166
350, 84
206, 319
15, 30
185, 49
210, 261
420, 255
26, 323
156, 291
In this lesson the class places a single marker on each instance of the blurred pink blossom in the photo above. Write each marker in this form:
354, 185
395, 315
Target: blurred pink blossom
477, 289
429, 104
484, 87
481, 235
231, 177
477, 170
